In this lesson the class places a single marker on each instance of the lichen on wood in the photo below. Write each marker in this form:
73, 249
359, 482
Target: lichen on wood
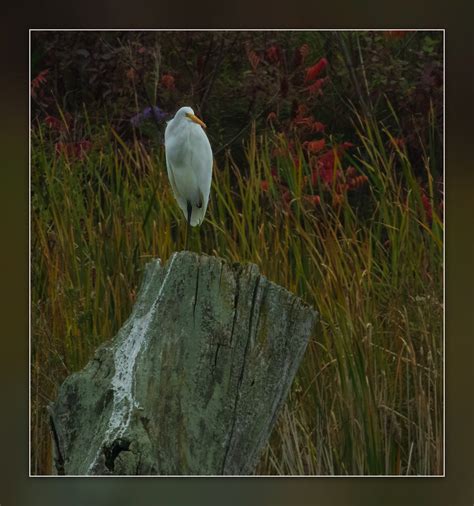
193, 381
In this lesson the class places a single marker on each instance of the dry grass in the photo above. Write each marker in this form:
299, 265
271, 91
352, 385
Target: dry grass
368, 397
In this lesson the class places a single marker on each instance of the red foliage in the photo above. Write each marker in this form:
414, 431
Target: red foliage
300, 110
313, 71
54, 123
395, 34
350, 171
272, 54
304, 51
318, 127
327, 159
254, 59
308, 122
337, 199
316, 87
296, 160
272, 117
131, 74
73, 149
323, 173
313, 199
426, 201
314, 146
357, 182
167, 81
342, 187
38, 81
325, 165
398, 142
305, 121
323, 162
283, 151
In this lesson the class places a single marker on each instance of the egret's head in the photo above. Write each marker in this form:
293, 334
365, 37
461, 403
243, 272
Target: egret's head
188, 113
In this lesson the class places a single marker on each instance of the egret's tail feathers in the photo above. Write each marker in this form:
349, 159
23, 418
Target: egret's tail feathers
197, 216
197, 213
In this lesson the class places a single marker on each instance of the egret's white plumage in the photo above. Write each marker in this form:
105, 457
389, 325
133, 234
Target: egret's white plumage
189, 163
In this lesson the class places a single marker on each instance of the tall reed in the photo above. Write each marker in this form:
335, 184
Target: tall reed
368, 397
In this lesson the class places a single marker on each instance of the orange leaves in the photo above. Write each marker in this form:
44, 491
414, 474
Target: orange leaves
314, 146
427, 205
304, 121
39, 80
73, 149
272, 117
318, 127
272, 54
301, 54
314, 200
167, 81
358, 181
254, 59
54, 123
131, 74
322, 178
304, 52
308, 122
313, 71
398, 142
316, 87
350, 171
395, 34
325, 181
57, 124
311, 77
337, 199
353, 180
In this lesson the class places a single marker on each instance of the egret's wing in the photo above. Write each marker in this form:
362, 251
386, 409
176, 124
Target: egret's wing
169, 168
181, 201
202, 167
171, 177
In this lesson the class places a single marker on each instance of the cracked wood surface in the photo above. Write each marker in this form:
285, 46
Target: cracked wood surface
193, 381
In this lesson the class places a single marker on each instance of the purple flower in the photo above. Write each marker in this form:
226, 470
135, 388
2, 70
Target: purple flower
147, 113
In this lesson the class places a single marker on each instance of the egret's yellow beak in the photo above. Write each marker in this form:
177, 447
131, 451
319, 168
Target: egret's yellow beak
195, 119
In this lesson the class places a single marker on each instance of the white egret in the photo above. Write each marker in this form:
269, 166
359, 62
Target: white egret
189, 164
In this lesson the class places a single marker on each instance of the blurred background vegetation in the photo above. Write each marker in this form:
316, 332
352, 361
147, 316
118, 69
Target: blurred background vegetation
328, 175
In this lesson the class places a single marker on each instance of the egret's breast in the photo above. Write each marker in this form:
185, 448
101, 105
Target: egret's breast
181, 156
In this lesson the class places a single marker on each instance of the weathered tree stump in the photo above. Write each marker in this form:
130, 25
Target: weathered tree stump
193, 381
